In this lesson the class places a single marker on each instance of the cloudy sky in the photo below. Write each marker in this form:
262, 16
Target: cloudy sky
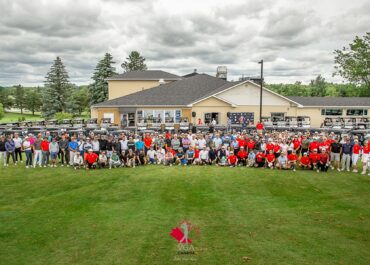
296, 39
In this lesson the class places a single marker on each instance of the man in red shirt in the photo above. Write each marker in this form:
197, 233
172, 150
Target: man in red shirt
259, 127
242, 156
270, 146
365, 157
356, 149
324, 161
232, 159
91, 159
251, 145
147, 142
314, 145
270, 159
242, 142
45, 152
304, 162
292, 160
260, 159
314, 157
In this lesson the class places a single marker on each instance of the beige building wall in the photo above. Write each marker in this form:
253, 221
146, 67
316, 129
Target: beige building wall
100, 113
120, 88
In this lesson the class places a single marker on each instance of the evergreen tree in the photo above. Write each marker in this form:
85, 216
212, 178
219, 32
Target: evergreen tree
1, 111
33, 100
99, 89
57, 90
134, 62
19, 97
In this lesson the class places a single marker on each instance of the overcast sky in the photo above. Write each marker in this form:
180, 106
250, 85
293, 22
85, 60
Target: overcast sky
296, 39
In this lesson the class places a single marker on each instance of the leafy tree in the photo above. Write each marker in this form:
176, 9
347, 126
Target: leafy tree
6, 98
99, 89
134, 62
19, 97
33, 100
1, 111
353, 62
57, 90
63, 115
81, 96
318, 87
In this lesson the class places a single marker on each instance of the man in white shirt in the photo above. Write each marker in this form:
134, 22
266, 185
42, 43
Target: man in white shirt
151, 155
160, 155
217, 142
201, 142
124, 144
18, 147
95, 145
203, 156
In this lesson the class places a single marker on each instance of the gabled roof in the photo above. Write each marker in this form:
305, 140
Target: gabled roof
180, 93
332, 101
145, 75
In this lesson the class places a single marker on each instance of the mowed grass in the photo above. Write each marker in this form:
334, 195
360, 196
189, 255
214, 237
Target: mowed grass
125, 216
14, 116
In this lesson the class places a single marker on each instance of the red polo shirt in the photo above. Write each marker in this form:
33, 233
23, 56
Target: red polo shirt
45, 146
305, 160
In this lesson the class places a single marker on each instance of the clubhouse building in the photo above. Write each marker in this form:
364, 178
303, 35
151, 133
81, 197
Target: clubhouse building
155, 96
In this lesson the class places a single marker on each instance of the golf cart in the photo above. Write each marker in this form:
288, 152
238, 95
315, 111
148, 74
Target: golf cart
92, 124
304, 121
267, 122
338, 123
349, 123
362, 123
51, 124
291, 121
78, 123
328, 123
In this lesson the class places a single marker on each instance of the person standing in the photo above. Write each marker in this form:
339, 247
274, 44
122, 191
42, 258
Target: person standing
365, 156
37, 151
45, 151
2, 149
63, 150
356, 149
73, 149
346, 155
10, 151
54, 150
335, 150
18, 147
27, 148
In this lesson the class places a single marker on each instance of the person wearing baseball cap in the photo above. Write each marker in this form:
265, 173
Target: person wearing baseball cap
91, 159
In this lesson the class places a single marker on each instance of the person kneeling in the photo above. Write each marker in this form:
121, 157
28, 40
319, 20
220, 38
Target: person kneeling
114, 160
78, 161
103, 159
168, 158
91, 159
270, 160
292, 160
232, 159
304, 162
323, 161
282, 161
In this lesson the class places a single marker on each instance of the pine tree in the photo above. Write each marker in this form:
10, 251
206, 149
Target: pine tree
20, 97
99, 89
134, 62
57, 90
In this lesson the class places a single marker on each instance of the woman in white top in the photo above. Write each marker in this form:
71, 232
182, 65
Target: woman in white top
27, 148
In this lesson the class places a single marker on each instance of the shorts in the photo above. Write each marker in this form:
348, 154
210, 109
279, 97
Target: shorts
54, 155
335, 157
365, 158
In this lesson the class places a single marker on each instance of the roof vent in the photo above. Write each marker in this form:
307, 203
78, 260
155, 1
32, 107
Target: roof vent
161, 81
222, 72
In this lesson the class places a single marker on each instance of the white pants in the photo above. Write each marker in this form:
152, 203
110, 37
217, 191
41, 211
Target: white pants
364, 158
37, 158
354, 159
3, 154
346, 159
72, 157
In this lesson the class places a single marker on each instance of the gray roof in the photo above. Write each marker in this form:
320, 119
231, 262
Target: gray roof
145, 75
332, 101
178, 93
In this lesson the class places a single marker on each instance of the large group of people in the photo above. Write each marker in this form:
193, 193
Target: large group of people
258, 149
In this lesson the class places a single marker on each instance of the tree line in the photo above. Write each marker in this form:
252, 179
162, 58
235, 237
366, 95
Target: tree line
60, 98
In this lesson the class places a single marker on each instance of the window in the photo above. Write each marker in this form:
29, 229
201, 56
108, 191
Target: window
159, 116
332, 112
277, 115
356, 112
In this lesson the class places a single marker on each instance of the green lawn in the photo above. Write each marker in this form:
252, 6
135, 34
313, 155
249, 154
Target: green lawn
124, 216
13, 117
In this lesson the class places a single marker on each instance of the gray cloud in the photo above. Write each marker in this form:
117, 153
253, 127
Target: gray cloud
296, 39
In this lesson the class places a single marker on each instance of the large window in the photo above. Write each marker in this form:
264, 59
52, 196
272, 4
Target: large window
356, 112
159, 116
332, 112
